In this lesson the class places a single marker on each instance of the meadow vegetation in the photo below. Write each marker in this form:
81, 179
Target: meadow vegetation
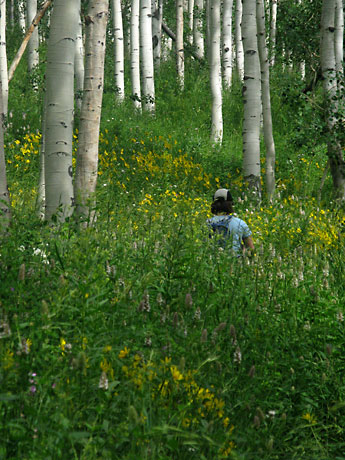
136, 338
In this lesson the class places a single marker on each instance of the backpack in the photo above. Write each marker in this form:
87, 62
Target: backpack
221, 231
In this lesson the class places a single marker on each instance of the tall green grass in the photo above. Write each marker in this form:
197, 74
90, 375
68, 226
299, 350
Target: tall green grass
136, 337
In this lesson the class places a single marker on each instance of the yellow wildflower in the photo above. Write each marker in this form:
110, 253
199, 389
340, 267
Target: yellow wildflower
123, 353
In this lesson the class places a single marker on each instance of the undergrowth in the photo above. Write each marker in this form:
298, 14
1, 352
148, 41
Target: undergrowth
136, 337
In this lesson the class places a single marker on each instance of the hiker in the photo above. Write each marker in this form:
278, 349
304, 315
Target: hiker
232, 231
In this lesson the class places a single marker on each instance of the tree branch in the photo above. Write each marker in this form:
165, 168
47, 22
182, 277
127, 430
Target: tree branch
187, 47
28, 34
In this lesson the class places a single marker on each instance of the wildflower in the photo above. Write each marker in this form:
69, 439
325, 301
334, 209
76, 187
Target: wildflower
340, 316
32, 389
251, 372
103, 381
6, 331
123, 353
204, 336
256, 421
145, 303
237, 355
197, 314
219, 328
84, 343
188, 300
62, 344
26, 345
232, 332
21, 273
175, 319
309, 418
39, 252
148, 342
226, 421
163, 318
160, 299
8, 360
176, 374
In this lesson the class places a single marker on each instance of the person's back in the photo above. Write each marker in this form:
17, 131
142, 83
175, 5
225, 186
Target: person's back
230, 230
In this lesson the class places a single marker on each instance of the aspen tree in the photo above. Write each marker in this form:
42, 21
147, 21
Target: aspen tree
5, 214
339, 37
266, 100
41, 193
32, 49
179, 43
157, 20
208, 28
3, 56
198, 37
12, 13
118, 50
60, 109
227, 42
135, 55
273, 31
79, 64
146, 57
302, 63
328, 69
190, 20
21, 14
90, 116
251, 98
238, 39
216, 73
28, 33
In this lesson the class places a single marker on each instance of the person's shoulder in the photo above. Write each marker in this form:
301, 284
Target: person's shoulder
236, 220
239, 222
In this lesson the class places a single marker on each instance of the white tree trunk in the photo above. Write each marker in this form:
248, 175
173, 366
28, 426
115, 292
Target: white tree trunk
339, 37
157, 20
179, 43
32, 49
3, 56
190, 20
5, 214
238, 39
79, 64
119, 50
135, 55
87, 154
328, 69
216, 74
167, 46
198, 37
60, 109
266, 100
41, 195
251, 98
328, 59
273, 31
21, 14
147, 72
208, 28
12, 13
227, 42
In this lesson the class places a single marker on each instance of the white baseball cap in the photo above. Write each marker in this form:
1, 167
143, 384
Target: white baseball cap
222, 193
